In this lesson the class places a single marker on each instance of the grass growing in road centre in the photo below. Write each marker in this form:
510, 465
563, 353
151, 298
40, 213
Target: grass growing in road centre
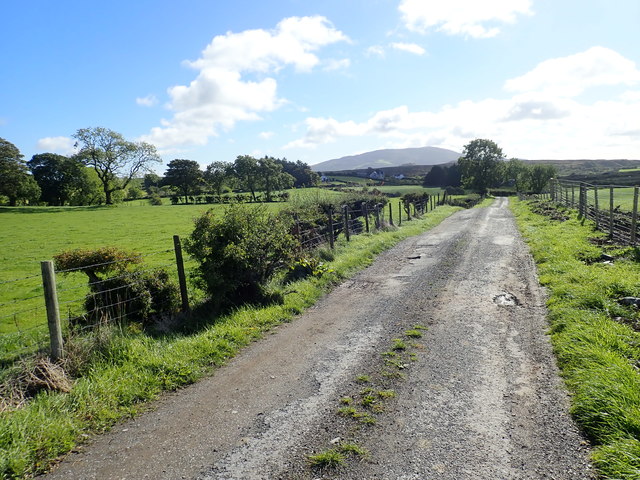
133, 368
596, 338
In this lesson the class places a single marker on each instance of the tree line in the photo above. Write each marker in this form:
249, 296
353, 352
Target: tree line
107, 167
483, 165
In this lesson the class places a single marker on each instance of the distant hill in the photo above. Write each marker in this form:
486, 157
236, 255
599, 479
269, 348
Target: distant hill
589, 170
389, 158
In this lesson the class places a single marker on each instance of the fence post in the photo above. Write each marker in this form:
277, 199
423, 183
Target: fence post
365, 213
595, 193
573, 195
331, 235
182, 279
400, 213
581, 202
53, 312
634, 217
611, 212
377, 211
390, 214
345, 218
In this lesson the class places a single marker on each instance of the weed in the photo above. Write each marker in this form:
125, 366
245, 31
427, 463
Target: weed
353, 449
420, 327
363, 379
413, 333
386, 393
346, 400
398, 344
328, 459
368, 400
389, 354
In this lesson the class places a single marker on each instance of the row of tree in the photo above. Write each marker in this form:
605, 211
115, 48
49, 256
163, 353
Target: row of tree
483, 166
106, 165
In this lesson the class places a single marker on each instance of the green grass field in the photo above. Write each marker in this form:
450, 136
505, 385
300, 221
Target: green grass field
31, 235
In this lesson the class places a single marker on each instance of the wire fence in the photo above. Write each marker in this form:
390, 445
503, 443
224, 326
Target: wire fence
613, 208
41, 310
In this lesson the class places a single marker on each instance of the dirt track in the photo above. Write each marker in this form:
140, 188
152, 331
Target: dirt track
482, 401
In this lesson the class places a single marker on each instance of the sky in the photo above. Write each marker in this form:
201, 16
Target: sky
209, 80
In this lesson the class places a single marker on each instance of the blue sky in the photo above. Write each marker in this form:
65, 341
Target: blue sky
210, 80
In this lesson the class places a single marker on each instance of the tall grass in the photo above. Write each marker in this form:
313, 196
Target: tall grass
132, 367
598, 351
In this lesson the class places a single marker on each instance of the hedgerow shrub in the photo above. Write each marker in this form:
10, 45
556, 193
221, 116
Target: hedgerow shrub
117, 292
240, 251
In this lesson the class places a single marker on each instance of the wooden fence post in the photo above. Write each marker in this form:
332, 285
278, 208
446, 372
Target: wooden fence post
377, 213
595, 193
182, 279
53, 312
365, 212
331, 235
610, 212
345, 218
400, 212
390, 214
573, 195
634, 217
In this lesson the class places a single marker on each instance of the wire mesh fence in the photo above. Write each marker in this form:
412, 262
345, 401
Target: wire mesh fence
94, 294
613, 208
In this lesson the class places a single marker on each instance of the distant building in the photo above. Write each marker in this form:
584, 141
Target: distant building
399, 176
377, 175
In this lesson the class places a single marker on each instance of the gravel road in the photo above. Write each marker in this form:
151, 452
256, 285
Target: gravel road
482, 400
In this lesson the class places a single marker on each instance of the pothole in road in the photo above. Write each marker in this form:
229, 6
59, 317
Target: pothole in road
506, 299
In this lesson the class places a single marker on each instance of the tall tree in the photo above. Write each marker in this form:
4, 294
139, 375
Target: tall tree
300, 171
272, 176
62, 180
481, 165
15, 182
540, 176
217, 175
247, 172
518, 172
436, 177
185, 175
115, 160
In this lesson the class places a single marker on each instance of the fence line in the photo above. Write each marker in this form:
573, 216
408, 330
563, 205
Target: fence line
620, 223
40, 325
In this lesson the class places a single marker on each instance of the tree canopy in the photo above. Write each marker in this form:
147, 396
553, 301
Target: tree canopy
185, 175
481, 165
15, 182
63, 180
115, 160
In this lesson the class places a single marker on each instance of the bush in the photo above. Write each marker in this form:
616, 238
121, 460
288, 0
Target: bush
454, 190
116, 291
240, 251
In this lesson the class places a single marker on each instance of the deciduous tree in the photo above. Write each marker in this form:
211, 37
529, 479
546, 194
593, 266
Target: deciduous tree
62, 180
217, 175
15, 182
481, 165
185, 175
115, 160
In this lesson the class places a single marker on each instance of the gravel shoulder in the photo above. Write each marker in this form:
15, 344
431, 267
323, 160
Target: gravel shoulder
482, 401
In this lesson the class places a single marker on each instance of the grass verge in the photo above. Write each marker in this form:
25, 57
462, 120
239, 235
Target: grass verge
595, 336
132, 367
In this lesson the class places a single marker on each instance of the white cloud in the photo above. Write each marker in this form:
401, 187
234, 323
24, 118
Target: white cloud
409, 47
462, 17
334, 64
59, 145
148, 101
222, 94
572, 75
265, 135
375, 50
527, 124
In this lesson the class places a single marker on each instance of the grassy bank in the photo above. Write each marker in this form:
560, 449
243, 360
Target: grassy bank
130, 367
594, 335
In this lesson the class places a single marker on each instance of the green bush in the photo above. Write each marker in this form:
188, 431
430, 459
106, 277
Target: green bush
240, 251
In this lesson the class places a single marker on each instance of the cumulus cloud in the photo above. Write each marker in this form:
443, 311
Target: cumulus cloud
572, 75
375, 50
529, 124
148, 101
462, 17
59, 145
265, 135
335, 64
409, 47
233, 82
